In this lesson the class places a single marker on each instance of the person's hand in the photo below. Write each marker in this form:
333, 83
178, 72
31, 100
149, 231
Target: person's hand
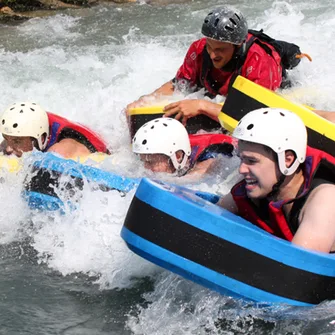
183, 109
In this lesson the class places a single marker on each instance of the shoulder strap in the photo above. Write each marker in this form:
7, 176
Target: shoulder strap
206, 66
241, 59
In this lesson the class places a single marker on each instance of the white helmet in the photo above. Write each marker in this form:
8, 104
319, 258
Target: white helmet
26, 119
163, 136
279, 129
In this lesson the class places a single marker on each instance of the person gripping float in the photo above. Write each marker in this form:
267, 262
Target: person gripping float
287, 187
164, 145
228, 49
26, 125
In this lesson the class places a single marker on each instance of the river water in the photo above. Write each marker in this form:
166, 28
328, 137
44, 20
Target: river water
73, 274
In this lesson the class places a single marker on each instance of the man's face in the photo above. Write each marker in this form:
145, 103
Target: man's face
219, 52
157, 163
15, 145
259, 168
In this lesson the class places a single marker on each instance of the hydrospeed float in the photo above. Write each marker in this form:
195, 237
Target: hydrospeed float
179, 230
52, 172
245, 96
52, 179
50, 175
140, 115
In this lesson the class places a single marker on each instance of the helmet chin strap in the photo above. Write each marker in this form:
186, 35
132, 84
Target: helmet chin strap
178, 165
287, 171
239, 51
35, 143
182, 167
276, 186
242, 48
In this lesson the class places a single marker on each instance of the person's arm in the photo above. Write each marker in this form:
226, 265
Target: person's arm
330, 116
186, 109
227, 202
165, 90
317, 220
188, 73
199, 170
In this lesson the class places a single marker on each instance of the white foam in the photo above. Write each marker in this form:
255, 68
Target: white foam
89, 74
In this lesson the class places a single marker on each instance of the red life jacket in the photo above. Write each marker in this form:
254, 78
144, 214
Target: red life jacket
61, 128
200, 143
316, 161
260, 63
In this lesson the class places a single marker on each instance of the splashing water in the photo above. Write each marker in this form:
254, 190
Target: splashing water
87, 66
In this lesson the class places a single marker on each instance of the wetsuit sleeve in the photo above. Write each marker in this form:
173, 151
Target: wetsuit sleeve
190, 71
262, 68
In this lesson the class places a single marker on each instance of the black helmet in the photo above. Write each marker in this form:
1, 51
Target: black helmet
225, 25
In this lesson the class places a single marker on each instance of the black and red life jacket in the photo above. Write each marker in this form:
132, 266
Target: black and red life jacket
203, 144
287, 54
317, 164
61, 128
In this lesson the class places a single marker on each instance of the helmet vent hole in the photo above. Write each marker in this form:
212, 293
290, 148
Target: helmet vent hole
206, 21
21, 111
22, 105
32, 109
229, 28
282, 114
216, 22
15, 125
12, 108
152, 127
164, 124
265, 112
3, 121
238, 17
144, 142
157, 120
250, 126
233, 21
